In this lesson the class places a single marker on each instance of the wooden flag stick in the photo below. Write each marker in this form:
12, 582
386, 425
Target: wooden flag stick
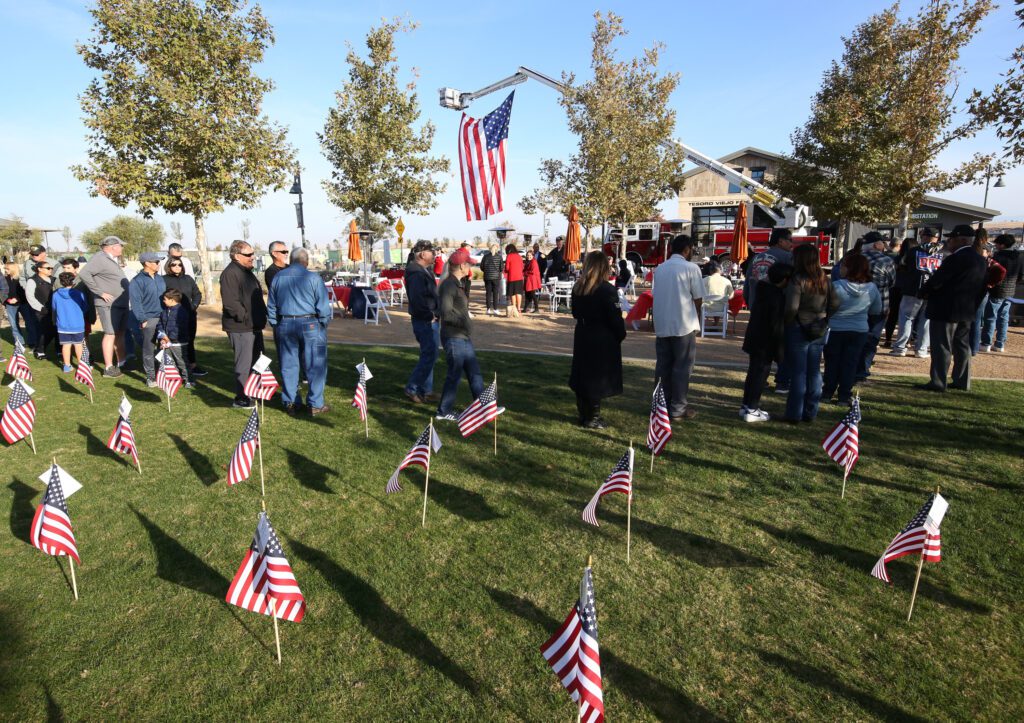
138, 463
496, 418
426, 483
262, 411
32, 441
917, 579
277, 634
366, 416
168, 400
846, 473
259, 451
74, 582
90, 395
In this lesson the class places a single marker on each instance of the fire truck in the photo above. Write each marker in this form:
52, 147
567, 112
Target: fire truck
650, 242
757, 238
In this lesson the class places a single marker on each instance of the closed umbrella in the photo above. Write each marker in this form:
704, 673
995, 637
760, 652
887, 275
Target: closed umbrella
738, 250
572, 236
355, 253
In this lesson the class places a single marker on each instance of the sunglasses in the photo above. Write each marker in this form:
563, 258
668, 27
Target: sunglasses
247, 255
175, 265
279, 251
46, 268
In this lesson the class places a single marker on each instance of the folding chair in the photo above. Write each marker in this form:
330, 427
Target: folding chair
714, 308
376, 305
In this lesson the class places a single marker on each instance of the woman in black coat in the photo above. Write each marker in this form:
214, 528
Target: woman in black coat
191, 298
765, 339
597, 342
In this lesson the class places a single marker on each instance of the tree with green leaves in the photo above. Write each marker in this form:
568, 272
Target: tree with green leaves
882, 116
1003, 107
381, 163
563, 185
175, 113
624, 123
138, 234
15, 235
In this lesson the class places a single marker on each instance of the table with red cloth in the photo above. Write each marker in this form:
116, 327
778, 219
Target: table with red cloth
393, 273
342, 294
736, 303
640, 309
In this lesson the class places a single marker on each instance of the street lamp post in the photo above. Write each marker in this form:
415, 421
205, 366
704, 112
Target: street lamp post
297, 189
999, 184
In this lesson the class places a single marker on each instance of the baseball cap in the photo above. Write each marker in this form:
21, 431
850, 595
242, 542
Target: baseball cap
111, 241
962, 229
150, 256
928, 232
873, 237
460, 256
36, 250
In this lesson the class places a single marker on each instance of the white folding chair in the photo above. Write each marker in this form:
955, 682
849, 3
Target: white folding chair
714, 316
376, 305
624, 302
562, 293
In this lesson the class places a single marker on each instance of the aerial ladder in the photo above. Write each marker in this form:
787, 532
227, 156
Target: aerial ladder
782, 211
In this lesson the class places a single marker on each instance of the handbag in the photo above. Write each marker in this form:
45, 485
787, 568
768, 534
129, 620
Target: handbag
817, 328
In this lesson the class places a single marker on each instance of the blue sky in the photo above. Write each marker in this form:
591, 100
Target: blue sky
749, 70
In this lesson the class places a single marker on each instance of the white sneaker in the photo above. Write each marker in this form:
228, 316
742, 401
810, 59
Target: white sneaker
923, 355
754, 415
998, 349
985, 348
898, 352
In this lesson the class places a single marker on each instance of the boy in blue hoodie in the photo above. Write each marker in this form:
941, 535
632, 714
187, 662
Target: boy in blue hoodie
69, 309
173, 330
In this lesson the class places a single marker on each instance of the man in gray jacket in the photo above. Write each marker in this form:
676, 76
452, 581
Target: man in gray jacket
106, 281
455, 332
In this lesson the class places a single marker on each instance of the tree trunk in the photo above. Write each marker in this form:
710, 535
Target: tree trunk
622, 241
901, 231
204, 260
842, 242
588, 240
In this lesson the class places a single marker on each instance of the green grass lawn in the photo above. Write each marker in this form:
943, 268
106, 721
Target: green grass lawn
748, 595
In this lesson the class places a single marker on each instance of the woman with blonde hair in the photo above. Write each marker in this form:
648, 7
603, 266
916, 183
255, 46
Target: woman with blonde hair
597, 342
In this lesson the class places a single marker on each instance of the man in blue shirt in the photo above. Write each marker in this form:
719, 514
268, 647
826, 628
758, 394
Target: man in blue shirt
299, 312
144, 294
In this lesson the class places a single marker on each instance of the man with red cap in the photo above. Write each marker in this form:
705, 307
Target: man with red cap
453, 309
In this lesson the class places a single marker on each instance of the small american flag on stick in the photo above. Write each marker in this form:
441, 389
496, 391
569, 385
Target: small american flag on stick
659, 430
260, 385
620, 480
842, 444
19, 415
483, 409
83, 373
265, 582
241, 459
122, 440
575, 657
359, 400
168, 378
419, 456
920, 535
18, 367
51, 526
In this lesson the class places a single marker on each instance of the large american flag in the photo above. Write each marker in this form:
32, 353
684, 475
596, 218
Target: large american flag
483, 409
51, 526
168, 378
241, 459
17, 367
921, 535
122, 439
83, 373
265, 575
843, 443
359, 400
482, 160
620, 480
260, 385
659, 431
19, 414
573, 653
419, 456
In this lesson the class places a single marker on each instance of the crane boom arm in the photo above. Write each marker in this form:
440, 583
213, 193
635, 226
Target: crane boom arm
761, 194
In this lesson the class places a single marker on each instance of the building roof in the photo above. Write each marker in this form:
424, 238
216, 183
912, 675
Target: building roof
985, 214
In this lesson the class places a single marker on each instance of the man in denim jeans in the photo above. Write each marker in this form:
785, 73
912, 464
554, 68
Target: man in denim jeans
455, 330
421, 289
299, 312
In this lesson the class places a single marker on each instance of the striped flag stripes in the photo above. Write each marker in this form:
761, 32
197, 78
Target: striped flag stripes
482, 160
265, 576
19, 414
17, 366
920, 535
483, 409
418, 456
241, 458
122, 439
620, 480
51, 525
168, 378
83, 373
659, 430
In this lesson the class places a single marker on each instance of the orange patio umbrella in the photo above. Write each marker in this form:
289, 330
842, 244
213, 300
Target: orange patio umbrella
354, 252
572, 236
738, 250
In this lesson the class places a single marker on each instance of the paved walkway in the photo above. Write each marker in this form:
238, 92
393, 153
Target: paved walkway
547, 333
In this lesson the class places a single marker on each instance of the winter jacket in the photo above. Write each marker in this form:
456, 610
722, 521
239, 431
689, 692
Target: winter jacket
596, 370
1011, 260
492, 265
883, 275
856, 301
994, 274
758, 269
532, 276
103, 275
421, 290
514, 267
15, 292
69, 307
454, 310
803, 307
765, 337
175, 324
191, 296
38, 292
956, 289
242, 299
145, 291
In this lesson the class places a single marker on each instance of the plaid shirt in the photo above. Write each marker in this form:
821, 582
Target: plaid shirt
883, 274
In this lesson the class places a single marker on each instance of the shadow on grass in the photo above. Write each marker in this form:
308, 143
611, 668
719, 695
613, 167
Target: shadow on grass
311, 475
704, 551
67, 580
201, 465
65, 386
384, 623
663, 701
138, 395
22, 510
96, 446
54, 713
864, 561
827, 681
466, 504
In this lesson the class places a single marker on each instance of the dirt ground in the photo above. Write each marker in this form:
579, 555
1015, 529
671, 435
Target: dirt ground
548, 333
